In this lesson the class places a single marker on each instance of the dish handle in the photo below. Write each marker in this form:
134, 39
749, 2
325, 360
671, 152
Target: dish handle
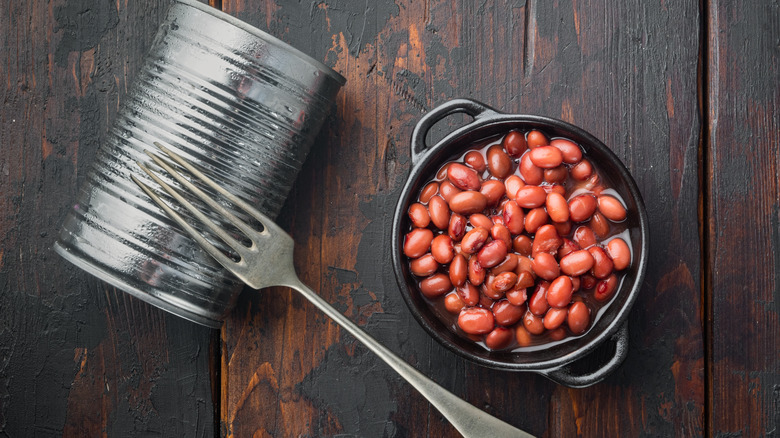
565, 376
475, 109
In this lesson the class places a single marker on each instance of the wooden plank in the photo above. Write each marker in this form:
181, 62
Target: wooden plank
77, 357
626, 72
743, 217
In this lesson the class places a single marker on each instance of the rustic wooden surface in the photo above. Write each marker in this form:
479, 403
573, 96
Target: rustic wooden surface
686, 93
743, 217
78, 357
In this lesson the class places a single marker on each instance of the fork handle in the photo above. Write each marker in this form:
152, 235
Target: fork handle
467, 419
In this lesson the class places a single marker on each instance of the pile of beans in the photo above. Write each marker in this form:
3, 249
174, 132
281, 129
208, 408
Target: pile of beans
518, 242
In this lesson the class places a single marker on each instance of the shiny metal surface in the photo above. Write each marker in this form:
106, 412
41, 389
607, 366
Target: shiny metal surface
268, 261
238, 103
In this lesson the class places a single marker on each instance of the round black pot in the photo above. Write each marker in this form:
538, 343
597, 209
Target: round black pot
570, 363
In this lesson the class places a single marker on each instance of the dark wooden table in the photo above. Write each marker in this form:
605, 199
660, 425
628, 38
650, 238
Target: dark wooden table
687, 93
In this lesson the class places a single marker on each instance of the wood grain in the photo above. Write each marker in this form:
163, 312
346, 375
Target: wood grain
743, 217
77, 357
625, 72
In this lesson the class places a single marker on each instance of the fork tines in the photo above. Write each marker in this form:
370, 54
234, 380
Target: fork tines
240, 249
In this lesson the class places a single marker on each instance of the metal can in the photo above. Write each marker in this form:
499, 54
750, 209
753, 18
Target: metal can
240, 104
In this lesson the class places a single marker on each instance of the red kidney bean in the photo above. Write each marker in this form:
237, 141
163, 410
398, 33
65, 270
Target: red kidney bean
508, 264
588, 281
499, 338
578, 318
506, 313
560, 291
525, 264
442, 172
533, 324
512, 185
447, 190
498, 162
611, 208
556, 174
514, 143
476, 321
531, 174
475, 160
535, 139
546, 266
489, 291
464, 178
577, 263
517, 296
468, 202
606, 288
500, 232
485, 301
555, 188
441, 249
584, 237
546, 157
538, 304
513, 217
435, 285
546, 240
480, 220
535, 219
557, 207
476, 272
582, 171
554, 318
424, 266
570, 151
575, 283
599, 225
592, 183
504, 281
419, 215
493, 191
428, 191
525, 278
473, 240
439, 212
458, 270
557, 334
522, 336
618, 250
492, 253
457, 227
563, 228
522, 245
567, 248
453, 303
417, 242
469, 294
531, 197
602, 264
581, 207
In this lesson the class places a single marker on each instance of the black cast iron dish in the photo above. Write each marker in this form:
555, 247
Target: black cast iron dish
556, 362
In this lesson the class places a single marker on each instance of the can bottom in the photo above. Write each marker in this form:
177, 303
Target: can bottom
108, 277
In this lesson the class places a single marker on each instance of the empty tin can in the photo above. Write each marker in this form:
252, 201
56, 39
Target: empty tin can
240, 104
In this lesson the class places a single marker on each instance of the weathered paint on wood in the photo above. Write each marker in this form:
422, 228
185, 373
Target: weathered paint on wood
77, 357
743, 216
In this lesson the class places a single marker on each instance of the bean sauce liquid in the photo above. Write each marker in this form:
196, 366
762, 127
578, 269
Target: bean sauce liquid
519, 243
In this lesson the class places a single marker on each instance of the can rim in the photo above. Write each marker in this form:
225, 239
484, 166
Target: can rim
265, 36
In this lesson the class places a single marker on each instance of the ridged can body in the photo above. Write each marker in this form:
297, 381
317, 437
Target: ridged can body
236, 102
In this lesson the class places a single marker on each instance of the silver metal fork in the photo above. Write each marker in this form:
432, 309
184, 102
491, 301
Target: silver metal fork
268, 261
